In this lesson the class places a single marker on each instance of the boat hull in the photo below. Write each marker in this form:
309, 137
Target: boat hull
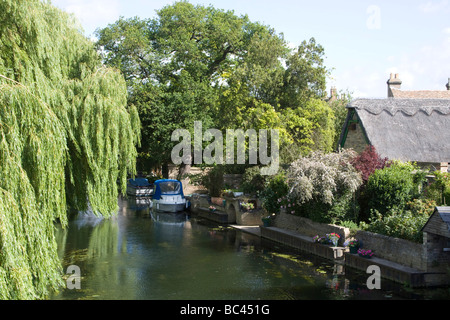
168, 206
139, 191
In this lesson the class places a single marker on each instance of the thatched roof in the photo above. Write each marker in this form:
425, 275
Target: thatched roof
407, 129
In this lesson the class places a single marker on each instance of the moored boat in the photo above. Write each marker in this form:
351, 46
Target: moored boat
139, 187
168, 196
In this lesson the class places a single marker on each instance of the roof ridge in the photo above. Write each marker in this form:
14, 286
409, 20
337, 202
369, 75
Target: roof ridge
408, 106
420, 94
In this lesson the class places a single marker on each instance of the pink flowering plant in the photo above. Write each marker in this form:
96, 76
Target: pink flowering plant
365, 253
352, 243
289, 204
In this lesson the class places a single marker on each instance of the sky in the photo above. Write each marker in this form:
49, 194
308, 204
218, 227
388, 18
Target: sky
364, 41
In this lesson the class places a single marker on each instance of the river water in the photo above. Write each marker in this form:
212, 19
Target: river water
140, 254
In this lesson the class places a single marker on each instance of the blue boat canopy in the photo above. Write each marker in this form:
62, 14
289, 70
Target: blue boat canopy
139, 182
167, 187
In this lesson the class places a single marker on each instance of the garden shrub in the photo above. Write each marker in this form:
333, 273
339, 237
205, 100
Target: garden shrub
368, 161
211, 180
272, 194
393, 186
323, 186
344, 208
439, 189
253, 181
401, 223
420, 207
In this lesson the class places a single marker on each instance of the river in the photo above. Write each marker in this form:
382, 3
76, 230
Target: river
139, 254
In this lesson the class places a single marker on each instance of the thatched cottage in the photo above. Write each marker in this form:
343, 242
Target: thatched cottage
407, 129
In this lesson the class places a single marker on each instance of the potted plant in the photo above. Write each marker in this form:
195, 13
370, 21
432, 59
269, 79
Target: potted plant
227, 193
267, 221
365, 253
247, 206
321, 240
333, 238
353, 245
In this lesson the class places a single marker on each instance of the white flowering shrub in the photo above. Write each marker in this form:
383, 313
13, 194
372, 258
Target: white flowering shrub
324, 183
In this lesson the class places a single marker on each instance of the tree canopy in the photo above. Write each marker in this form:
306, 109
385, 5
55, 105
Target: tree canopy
196, 63
66, 137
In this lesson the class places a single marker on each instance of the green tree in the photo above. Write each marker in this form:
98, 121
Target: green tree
305, 76
339, 107
206, 64
66, 137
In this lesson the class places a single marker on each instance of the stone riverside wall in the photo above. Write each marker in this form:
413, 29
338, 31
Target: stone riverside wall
397, 250
308, 227
228, 210
401, 251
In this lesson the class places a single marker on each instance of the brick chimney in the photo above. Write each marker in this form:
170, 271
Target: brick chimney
448, 84
394, 82
333, 94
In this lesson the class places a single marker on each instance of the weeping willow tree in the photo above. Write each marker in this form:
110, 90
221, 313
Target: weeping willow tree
66, 138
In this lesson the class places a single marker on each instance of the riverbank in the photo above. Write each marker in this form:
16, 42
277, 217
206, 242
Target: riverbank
390, 270
399, 260
412, 277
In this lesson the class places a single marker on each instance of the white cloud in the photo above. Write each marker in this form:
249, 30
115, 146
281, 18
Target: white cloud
425, 69
434, 6
362, 82
91, 13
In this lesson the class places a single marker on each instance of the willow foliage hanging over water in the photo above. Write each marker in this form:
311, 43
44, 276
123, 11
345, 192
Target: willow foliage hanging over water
66, 137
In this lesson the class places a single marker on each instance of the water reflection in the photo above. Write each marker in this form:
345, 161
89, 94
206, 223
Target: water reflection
140, 254
179, 219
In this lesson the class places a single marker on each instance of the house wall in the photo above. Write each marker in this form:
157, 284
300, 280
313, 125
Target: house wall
355, 136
